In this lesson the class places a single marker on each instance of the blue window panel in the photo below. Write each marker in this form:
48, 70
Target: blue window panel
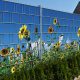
70, 23
25, 9
18, 8
37, 11
2, 6
23, 19
46, 12
1, 15
46, 20
60, 14
30, 19
53, 13
6, 17
63, 22
15, 18
26, 19
76, 16
37, 20
32, 10
9, 6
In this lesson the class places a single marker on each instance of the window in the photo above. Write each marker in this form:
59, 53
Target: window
26, 9
32, 10
6, 17
37, 11
15, 18
9, 6
36, 19
18, 8
23, 19
2, 6
1, 15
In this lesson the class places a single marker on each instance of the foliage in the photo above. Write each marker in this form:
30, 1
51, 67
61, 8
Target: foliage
56, 64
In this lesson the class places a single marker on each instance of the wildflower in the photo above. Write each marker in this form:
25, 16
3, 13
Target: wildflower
58, 44
78, 33
4, 52
13, 69
55, 21
26, 34
50, 30
22, 31
67, 46
18, 50
11, 50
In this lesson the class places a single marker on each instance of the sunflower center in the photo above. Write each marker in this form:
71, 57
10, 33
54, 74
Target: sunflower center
50, 30
22, 31
18, 49
4, 51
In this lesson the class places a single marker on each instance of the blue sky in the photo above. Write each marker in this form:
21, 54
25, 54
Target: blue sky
61, 5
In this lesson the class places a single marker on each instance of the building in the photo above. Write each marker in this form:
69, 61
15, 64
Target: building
14, 15
77, 9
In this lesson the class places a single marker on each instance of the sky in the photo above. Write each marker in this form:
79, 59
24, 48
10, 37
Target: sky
60, 5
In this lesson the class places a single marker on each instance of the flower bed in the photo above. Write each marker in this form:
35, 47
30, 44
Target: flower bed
56, 64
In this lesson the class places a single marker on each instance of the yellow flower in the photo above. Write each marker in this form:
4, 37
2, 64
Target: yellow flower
13, 69
20, 35
18, 50
11, 50
4, 52
23, 28
22, 31
50, 30
26, 34
58, 44
67, 46
78, 33
55, 21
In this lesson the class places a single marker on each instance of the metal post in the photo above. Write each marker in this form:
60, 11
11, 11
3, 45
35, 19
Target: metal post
40, 31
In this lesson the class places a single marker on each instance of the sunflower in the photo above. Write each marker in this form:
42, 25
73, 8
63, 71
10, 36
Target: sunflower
22, 31
23, 28
55, 21
20, 35
26, 34
58, 44
11, 50
4, 52
67, 46
18, 50
13, 69
50, 30
78, 33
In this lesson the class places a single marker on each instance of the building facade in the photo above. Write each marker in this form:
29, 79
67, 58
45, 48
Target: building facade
14, 15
